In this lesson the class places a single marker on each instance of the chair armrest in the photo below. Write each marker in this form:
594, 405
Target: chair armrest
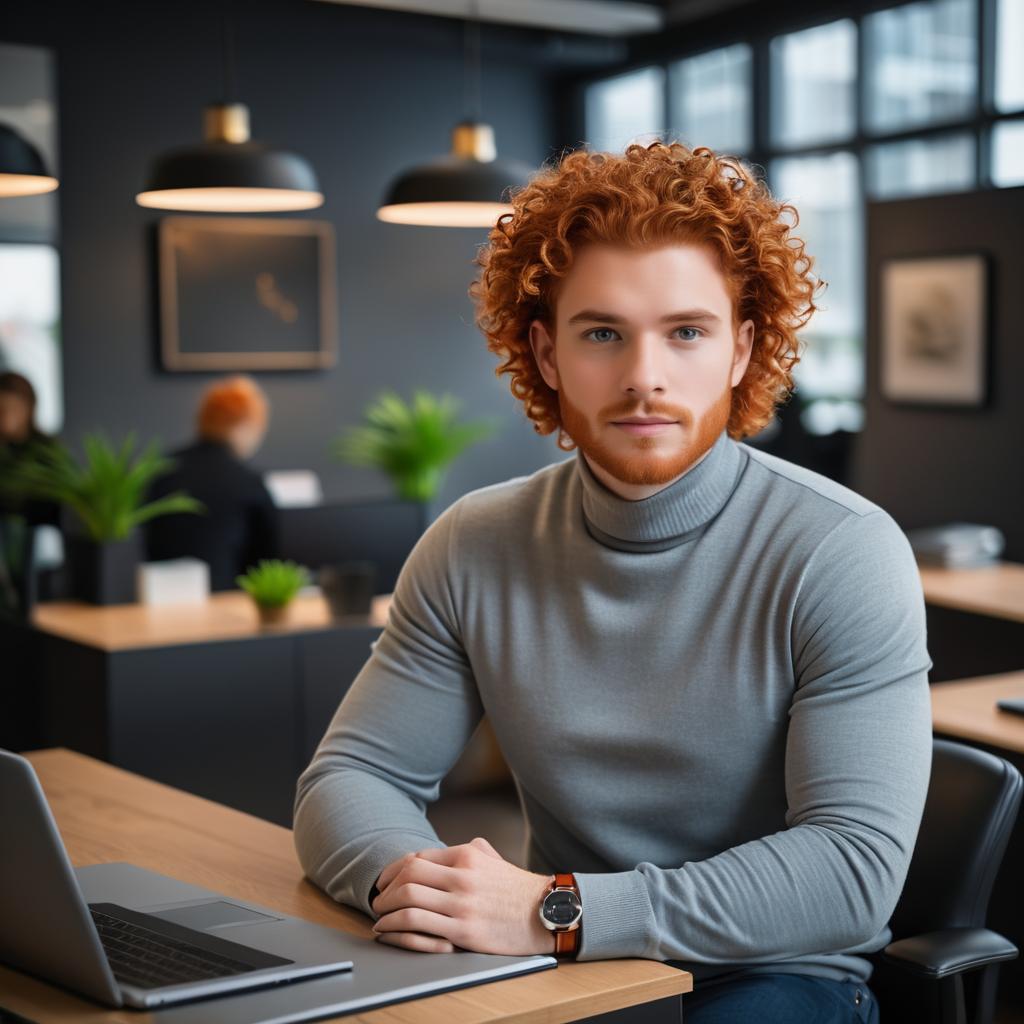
952, 951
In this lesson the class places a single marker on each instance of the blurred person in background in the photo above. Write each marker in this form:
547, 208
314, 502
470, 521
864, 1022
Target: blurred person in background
20, 517
240, 524
19, 434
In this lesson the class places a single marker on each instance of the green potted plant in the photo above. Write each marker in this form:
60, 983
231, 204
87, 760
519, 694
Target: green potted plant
273, 584
106, 492
413, 443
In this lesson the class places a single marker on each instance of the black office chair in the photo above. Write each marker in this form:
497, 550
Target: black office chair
942, 950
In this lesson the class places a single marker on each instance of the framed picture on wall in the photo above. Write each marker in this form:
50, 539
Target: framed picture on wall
246, 293
934, 330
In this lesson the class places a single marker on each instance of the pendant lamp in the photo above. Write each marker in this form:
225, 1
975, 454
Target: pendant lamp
467, 188
22, 171
228, 173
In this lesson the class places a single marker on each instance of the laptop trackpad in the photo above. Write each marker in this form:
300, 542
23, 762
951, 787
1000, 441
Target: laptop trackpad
213, 915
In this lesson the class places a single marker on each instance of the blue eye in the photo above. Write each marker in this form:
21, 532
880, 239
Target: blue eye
697, 333
609, 334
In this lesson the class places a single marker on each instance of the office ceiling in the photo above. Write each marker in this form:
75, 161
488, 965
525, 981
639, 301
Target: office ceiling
591, 17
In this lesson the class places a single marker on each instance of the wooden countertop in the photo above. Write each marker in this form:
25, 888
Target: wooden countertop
107, 814
966, 709
230, 615
996, 590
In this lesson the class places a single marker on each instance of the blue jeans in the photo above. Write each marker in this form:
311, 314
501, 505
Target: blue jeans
781, 999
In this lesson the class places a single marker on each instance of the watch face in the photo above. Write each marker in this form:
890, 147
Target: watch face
562, 907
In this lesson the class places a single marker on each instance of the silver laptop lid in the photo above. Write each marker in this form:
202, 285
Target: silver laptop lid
45, 926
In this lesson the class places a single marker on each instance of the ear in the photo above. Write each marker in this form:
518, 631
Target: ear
543, 346
743, 348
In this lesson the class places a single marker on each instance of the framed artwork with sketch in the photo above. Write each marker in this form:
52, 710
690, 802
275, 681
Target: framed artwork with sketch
934, 330
246, 293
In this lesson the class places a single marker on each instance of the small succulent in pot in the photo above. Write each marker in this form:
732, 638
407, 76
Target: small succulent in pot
273, 584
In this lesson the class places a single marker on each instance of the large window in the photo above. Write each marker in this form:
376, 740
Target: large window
1009, 76
826, 193
814, 85
923, 66
906, 101
939, 163
711, 100
625, 109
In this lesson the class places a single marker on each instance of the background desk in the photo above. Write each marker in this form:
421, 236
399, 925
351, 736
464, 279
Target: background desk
975, 620
200, 697
105, 814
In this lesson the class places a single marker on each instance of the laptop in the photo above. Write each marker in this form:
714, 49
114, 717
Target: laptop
48, 927
178, 950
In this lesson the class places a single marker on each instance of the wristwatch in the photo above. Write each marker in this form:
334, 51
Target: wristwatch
562, 913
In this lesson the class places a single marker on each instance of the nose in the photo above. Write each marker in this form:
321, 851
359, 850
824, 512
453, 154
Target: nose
643, 367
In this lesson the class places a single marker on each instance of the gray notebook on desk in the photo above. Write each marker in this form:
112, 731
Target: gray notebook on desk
380, 974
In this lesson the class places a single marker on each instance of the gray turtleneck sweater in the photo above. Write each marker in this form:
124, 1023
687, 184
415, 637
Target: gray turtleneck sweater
714, 702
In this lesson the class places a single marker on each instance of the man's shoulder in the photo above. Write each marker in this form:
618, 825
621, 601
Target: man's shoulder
809, 490
513, 500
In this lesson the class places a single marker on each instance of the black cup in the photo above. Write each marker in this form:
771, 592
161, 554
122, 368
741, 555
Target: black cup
348, 587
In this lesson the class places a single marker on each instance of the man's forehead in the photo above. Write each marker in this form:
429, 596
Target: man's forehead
678, 276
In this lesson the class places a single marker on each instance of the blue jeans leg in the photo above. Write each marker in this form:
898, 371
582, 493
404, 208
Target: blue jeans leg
781, 999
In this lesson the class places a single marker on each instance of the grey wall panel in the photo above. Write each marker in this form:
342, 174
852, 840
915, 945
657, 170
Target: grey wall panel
363, 94
928, 466
216, 719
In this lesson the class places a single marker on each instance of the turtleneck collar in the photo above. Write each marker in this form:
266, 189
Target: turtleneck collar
672, 516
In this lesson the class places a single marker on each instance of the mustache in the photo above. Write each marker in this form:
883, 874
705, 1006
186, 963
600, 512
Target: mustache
665, 410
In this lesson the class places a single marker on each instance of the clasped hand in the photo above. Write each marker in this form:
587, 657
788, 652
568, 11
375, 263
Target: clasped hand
461, 897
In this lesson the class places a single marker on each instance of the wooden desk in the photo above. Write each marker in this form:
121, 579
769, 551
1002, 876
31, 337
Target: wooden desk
106, 814
975, 620
967, 710
201, 697
229, 615
996, 590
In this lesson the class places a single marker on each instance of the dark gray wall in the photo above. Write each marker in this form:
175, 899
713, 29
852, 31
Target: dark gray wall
928, 466
362, 94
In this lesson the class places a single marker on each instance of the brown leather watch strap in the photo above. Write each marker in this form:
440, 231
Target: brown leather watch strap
567, 943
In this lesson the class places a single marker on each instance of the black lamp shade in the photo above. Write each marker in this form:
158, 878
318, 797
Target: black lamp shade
22, 171
432, 193
231, 176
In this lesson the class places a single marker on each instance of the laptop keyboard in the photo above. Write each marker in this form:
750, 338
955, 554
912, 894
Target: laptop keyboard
143, 958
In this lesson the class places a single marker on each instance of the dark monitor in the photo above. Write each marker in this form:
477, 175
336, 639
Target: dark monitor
381, 532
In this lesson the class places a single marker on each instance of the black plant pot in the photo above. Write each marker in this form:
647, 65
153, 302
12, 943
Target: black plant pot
103, 573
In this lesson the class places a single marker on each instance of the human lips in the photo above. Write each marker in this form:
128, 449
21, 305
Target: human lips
644, 425
644, 420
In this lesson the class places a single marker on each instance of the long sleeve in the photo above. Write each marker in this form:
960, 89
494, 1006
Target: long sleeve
858, 758
410, 712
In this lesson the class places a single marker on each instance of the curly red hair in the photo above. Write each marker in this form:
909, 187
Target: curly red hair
654, 195
228, 402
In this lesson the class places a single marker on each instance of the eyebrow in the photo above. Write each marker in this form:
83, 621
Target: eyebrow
594, 316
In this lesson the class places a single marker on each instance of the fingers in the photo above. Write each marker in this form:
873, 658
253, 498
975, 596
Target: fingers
421, 872
402, 894
482, 844
417, 942
415, 919
391, 870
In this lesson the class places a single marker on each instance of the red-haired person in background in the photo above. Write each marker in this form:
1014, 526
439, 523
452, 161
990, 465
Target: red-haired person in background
240, 524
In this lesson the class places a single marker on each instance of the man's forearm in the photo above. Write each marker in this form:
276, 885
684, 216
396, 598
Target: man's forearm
349, 825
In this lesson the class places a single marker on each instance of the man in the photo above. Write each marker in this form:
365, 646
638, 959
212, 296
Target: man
239, 526
706, 667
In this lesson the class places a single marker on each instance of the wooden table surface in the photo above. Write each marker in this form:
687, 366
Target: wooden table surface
966, 709
996, 590
106, 814
228, 615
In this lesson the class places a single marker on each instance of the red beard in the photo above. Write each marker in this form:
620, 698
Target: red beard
642, 464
